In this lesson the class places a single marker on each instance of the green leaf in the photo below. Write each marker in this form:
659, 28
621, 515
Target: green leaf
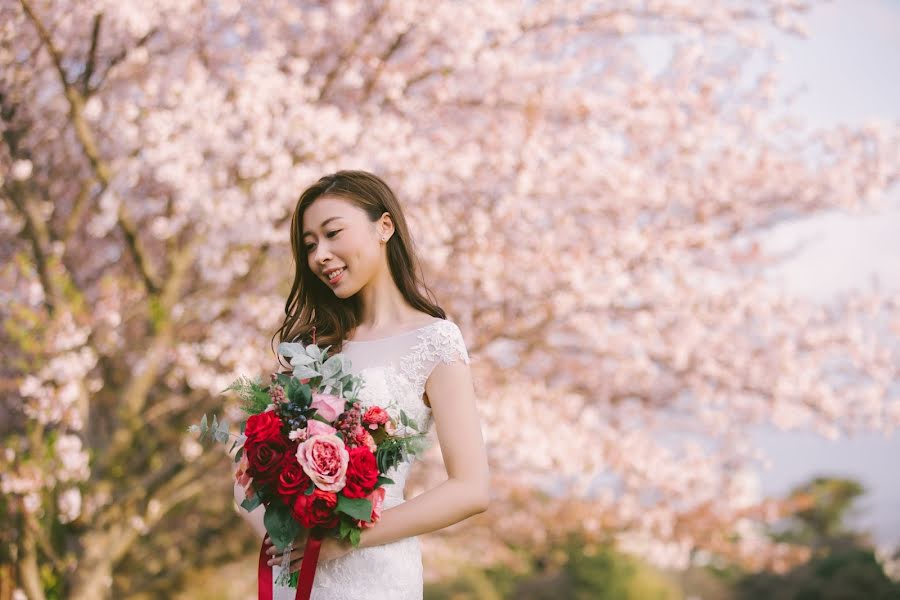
204, 426
403, 418
292, 390
303, 372
382, 480
280, 524
314, 351
310, 490
293, 350
358, 508
332, 367
354, 537
345, 528
250, 503
237, 457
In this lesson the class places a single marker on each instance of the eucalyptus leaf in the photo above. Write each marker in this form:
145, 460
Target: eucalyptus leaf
251, 503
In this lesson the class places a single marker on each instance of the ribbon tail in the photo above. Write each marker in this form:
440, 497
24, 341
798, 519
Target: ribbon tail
308, 567
264, 575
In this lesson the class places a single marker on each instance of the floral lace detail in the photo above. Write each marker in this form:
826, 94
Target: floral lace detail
395, 371
441, 342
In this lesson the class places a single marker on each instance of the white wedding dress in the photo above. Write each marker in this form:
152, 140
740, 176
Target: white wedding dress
394, 370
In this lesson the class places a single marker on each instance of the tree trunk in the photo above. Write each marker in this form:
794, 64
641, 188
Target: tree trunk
93, 578
29, 576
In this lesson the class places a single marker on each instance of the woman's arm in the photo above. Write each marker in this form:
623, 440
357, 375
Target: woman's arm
467, 489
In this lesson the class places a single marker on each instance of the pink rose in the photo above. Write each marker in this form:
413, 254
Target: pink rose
361, 437
324, 458
315, 427
376, 416
377, 498
328, 406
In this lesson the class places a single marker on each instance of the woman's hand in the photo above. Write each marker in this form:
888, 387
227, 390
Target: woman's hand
331, 549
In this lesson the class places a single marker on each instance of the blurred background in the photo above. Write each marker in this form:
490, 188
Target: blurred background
667, 230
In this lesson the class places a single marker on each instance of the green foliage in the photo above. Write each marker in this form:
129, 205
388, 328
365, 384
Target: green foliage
832, 502
358, 508
280, 525
217, 432
392, 451
845, 571
254, 396
842, 563
251, 503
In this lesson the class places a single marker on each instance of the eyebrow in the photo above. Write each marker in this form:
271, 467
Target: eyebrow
324, 223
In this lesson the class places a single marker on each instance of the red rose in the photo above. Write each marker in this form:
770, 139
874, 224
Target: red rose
376, 416
293, 480
362, 473
262, 427
316, 509
266, 459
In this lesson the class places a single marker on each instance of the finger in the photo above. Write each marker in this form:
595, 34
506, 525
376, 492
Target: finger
295, 556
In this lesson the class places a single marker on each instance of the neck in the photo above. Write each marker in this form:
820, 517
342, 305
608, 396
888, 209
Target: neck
383, 306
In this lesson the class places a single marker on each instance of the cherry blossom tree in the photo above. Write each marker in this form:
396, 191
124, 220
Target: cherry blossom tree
589, 219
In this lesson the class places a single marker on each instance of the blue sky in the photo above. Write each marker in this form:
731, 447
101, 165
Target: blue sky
849, 73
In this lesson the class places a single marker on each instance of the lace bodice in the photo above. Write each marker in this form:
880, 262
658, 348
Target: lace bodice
394, 371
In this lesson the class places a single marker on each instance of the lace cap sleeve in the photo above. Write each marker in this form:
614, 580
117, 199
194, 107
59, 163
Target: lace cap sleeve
442, 342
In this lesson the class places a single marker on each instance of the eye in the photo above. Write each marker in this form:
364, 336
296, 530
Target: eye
329, 234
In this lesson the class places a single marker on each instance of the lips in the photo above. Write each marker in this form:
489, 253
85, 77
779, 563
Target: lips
334, 279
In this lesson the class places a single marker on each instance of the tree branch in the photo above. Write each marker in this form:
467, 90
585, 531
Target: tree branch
92, 56
138, 387
89, 145
35, 231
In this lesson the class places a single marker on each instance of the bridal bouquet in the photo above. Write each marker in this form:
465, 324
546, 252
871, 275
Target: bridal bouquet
312, 455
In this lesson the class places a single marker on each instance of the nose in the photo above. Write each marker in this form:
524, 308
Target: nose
320, 255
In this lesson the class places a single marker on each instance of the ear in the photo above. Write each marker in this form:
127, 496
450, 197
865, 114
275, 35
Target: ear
386, 226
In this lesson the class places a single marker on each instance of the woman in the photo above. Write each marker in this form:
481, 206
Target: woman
356, 282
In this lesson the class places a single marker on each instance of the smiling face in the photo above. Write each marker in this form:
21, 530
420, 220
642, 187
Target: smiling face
337, 235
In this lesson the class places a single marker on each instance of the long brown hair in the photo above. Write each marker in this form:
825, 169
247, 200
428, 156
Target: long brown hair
311, 302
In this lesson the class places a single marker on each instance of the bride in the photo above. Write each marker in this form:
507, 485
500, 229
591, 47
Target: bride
356, 281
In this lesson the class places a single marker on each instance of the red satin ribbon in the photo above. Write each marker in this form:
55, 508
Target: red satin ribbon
307, 571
